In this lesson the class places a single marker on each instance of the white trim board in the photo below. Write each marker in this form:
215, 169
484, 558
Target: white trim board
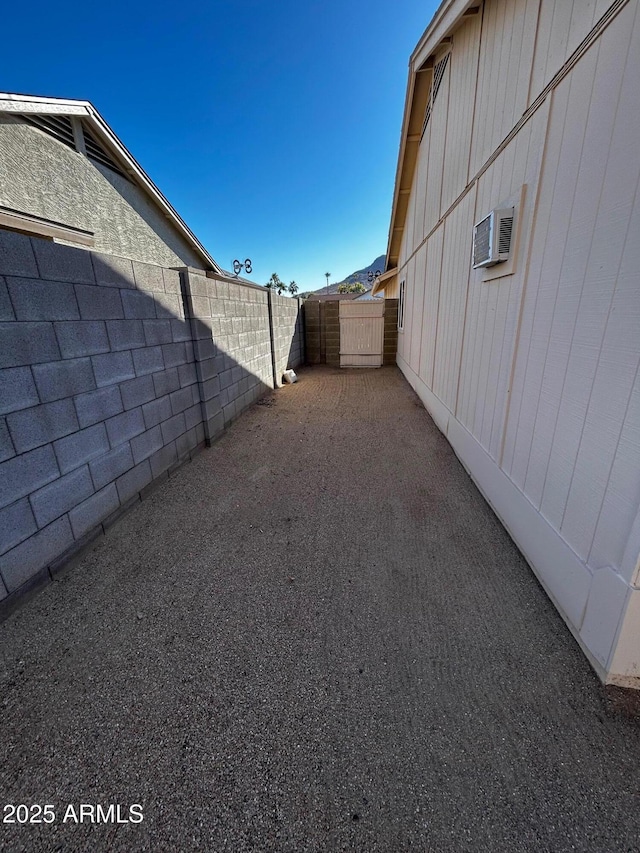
594, 606
15, 220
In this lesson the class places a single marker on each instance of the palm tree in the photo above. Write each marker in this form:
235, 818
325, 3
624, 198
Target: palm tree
293, 288
327, 274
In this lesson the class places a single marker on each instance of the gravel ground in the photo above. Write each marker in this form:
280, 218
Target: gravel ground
315, 637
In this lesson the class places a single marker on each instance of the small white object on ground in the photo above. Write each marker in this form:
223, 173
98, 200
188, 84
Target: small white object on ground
289, 376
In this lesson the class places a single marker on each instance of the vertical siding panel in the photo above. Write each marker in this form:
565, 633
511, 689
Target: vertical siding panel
483, 354
419, 187
500, 288
510, 298
409, 309
541, 171
421, 264
559, 38
409, 227
617, 211
489, 110
485, 82
521, 38
442, 326
622, 496
594, 246
444, 310
565, 275
545, 22
476, 309
432, 299
582, 20
453, 300
499, 178
559, 176
514, 290
513, 50
402, 255
525, 64
418, 309
464, 58
426, 146
463, 408
569, 262
506, 54
601, 7
502, 98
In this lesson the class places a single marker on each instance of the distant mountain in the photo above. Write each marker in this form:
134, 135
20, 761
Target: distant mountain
358, 275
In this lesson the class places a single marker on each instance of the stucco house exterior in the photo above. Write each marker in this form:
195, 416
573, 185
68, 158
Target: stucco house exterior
513, 249
65, 175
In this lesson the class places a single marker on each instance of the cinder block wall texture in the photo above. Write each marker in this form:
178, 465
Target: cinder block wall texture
112, 374
288, 334
230, 330
313, 321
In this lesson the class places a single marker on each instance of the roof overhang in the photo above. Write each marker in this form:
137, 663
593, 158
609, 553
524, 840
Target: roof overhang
21, 104
447, 18
384, 280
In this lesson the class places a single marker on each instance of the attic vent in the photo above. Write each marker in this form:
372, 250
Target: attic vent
438, 74
96, 152
492, 238
57, 126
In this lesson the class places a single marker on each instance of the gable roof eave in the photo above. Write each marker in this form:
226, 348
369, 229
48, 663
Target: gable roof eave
33, 104
384, 280
445, 20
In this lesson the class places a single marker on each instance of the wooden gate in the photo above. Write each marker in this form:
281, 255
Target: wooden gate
361, 333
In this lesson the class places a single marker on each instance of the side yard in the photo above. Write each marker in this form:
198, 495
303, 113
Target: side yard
316, 636
113, 373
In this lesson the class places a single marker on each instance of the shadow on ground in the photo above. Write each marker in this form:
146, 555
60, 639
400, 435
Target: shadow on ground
315, 637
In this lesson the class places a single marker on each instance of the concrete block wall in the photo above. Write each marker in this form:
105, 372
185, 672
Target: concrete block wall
107, 385
98, 396
230, 329
313, 331
332, 333
288, 334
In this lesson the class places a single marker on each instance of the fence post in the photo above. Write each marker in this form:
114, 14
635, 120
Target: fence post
204, 351
276, 384
301, 332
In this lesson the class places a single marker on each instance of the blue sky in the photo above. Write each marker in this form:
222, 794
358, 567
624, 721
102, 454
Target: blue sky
272, 127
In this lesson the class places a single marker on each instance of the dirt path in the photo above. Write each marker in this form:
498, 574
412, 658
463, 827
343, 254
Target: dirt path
315, 637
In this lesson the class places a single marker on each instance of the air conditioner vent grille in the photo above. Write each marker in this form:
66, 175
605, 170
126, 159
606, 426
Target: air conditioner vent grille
504, 235
492, 238
482, 242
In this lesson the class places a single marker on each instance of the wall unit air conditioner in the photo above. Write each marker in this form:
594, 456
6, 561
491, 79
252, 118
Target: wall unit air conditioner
492, 238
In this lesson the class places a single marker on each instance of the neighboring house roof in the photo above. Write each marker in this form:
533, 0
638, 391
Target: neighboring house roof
34, 105
383, 281
437, 35
332, 297
367, 295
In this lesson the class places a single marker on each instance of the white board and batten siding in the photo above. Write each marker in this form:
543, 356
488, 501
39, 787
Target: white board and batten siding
361, 333
534, 375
